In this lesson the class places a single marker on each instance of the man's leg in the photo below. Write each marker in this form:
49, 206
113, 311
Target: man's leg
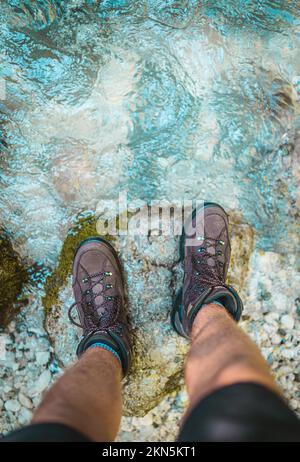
222, 354
85, 403
232, 395
87, 397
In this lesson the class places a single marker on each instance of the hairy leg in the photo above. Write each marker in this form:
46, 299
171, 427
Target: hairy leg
221, 354
87, 397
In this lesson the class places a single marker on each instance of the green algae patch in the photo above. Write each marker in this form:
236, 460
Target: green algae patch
13, 277
84, 228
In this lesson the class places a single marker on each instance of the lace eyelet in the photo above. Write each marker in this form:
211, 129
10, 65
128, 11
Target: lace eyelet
201, 249
85, 280
108, 286
221, 242
219, 252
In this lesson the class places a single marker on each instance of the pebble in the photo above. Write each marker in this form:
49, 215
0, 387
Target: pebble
12, 405
37, 332
42, 357
25, 401
7, 388
287, 321
294, 404
41, 384
11, 327
147, 420
276, 339
272, 318
24, 416
287, 353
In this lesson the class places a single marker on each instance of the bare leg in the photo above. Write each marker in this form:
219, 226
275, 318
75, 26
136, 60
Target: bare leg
87, 397
221, 354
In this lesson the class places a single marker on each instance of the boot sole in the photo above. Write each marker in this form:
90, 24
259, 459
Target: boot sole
177, 306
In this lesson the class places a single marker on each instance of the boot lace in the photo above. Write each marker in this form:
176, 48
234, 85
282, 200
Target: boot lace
203, 272
92, 319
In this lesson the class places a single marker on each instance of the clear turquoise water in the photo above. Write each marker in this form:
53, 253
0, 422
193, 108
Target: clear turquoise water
163, 99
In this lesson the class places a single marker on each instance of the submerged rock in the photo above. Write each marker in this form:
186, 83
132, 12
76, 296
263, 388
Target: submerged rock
13, 276
153, 275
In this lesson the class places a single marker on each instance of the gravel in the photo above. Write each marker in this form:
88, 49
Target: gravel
30, 365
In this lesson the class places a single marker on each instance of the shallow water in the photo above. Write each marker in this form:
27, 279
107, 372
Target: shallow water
162, 99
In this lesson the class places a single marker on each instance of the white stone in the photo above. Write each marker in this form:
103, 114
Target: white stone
38, 332
41, 384
289, 354
276, 339
24, 416
7, 388
11, 327
42, 357
287, 321
12, 405
294, 404
272, 317
147, 420
25, 401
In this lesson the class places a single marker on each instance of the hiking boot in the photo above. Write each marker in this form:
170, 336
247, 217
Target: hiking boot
205, 254
100, 300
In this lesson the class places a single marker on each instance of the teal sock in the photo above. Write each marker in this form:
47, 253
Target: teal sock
106, 347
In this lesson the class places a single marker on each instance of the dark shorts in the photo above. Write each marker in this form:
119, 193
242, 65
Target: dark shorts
241, 412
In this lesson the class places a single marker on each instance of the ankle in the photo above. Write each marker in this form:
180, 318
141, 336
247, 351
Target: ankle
103, 357
103, 346
208, 313
215, 308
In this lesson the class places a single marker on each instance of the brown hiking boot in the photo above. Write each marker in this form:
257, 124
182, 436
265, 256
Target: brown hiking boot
100, 299
205, 254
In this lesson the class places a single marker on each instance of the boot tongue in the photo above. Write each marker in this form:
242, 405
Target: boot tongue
211, 261
98, 289
97, 295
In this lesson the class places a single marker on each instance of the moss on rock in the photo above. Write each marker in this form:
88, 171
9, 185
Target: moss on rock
242, 245
13, 276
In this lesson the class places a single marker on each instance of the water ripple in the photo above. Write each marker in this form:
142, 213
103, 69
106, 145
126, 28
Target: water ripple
162, 99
